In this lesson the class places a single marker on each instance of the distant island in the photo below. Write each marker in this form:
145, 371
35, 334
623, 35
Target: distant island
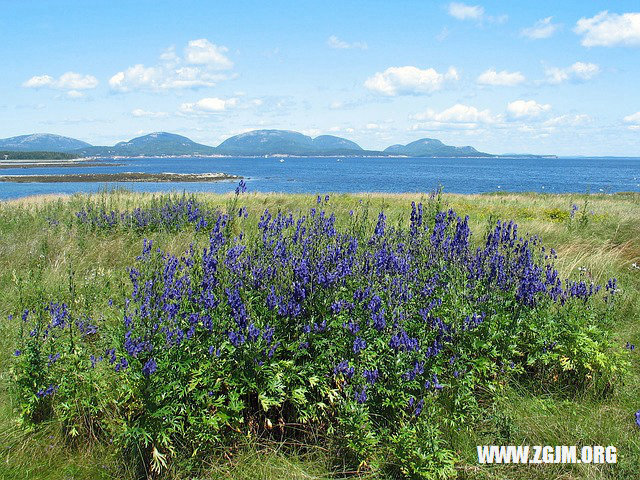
249, 144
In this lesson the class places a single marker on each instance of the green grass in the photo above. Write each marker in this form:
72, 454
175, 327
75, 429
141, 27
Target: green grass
35, 259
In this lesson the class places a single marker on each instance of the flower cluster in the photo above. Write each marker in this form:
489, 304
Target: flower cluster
165, 213
303, 318
362, 309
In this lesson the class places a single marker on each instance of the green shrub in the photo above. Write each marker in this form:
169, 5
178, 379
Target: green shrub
376, 338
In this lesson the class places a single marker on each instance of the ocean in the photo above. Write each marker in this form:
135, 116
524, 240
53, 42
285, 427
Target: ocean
359, 174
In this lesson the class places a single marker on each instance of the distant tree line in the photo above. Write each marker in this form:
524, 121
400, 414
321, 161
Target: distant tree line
9, 155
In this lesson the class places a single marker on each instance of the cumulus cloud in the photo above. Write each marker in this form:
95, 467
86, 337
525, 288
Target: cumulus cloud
76, 81
543, 28
138, 112
503, 78
203, 52
527, 108
458, 116
39, 81
70, 81
462, 11
633, 120
609, 29
519, 116
578, 72
208, 105
459, 113
200, 66
334, 42
409, 80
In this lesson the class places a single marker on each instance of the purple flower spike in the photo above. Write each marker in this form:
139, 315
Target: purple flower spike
150, 367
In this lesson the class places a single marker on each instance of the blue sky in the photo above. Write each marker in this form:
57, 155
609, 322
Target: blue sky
539, 77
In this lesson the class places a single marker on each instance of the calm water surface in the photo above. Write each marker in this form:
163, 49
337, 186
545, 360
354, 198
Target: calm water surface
321, 175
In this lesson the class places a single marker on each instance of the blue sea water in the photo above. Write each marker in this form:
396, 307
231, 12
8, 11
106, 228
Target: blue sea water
360, 174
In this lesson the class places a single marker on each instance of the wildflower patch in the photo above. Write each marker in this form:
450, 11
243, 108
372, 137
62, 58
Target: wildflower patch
377, 336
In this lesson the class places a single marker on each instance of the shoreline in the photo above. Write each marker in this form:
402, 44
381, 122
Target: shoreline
120, 177
5, 165
288, 155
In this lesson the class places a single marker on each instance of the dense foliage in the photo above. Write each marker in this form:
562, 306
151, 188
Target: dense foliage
379, 337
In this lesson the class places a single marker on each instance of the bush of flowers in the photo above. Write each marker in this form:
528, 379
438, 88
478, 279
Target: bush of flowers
378, 337
165, 213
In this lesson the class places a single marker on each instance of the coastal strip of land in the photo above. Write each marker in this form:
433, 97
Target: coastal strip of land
6, 164
120, 177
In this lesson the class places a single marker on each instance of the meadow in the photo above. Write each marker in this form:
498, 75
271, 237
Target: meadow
268, 336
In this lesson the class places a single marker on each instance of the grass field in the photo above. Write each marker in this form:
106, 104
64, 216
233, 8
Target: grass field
41, 242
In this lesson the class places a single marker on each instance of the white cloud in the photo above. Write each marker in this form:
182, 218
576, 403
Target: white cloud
609, 29
372, 126
39, 81
457, 117
520, 116
208, 105
459, 113
579, 72
169, 55
409, 80
337, 129
75, 94
67, 81
503, 78
567, 121
136, 77
543, 28
633, 120
76, 81
138, 112
527, 108
203, 52
199, 67
462, 11
335, 42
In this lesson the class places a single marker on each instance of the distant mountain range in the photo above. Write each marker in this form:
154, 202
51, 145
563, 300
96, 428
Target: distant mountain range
270, 142
42, 142
154, 144
430, 147
254, 143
